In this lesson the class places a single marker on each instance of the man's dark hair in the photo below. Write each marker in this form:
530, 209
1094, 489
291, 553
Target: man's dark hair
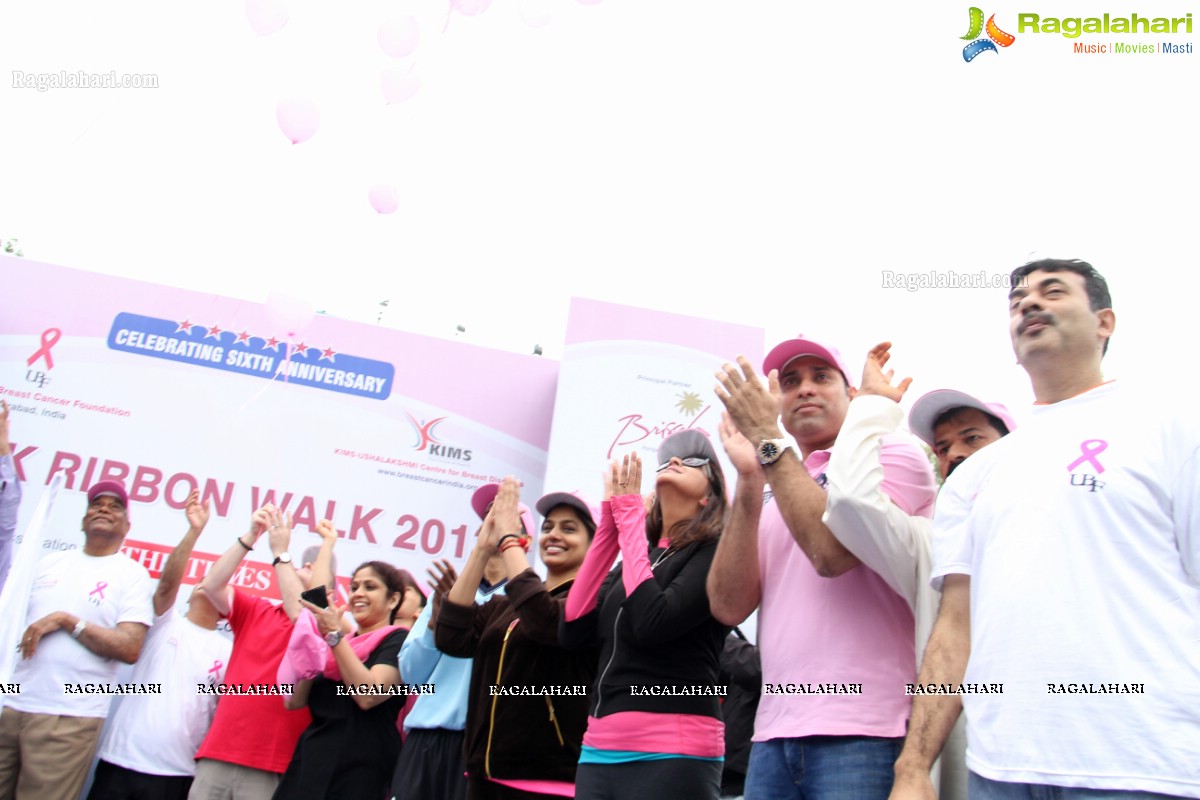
1093, 281
951, 413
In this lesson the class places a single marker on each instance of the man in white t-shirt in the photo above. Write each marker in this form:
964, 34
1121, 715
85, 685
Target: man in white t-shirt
89, 610
1069, 556
149, 746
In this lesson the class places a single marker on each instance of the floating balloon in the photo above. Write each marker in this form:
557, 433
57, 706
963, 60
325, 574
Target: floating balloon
266, 16
470, 8
384, 198
399, 84
291, 314
298, 118
398, 37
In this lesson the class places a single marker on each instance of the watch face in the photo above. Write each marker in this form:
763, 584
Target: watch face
768, 450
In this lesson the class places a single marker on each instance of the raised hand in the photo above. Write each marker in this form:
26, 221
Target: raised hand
875, 380
279, 530
327, 532
505, 507
441, 581
5, 447
197, 512
741, 452
752, 407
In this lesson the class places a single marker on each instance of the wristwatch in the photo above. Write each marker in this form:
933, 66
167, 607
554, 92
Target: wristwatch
769, 450
332, 638
282, 558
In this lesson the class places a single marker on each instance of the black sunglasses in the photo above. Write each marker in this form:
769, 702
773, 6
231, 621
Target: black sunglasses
694, 462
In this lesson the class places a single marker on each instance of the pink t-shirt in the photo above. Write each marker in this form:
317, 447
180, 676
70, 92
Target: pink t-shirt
836, 652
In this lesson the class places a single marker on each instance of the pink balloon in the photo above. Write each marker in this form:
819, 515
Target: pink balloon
266, 16
288, 312
384, 199
298, 118
399, 84
398, 37
470, 8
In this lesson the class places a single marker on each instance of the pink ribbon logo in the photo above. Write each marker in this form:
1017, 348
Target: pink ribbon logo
100, 587
1090, 449
216, 668
50, 337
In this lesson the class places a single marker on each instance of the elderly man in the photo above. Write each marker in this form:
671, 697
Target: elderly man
89, 611
836, 641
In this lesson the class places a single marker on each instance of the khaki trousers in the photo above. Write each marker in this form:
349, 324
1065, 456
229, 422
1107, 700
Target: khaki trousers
45, 756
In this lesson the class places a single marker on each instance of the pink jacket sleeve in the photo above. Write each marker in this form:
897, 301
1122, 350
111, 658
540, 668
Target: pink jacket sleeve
596, 564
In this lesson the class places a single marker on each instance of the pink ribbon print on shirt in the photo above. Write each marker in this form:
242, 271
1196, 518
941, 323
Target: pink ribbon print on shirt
1090, 448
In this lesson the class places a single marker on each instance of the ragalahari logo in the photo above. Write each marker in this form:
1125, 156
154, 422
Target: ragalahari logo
980, 44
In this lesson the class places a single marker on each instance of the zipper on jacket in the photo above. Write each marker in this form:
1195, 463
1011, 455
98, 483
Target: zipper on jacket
554, 721
613, 655
487, 753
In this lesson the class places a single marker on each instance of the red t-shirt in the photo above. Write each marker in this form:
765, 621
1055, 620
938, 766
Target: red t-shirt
255, 731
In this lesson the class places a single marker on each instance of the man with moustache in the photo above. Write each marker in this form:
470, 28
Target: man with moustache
89, 612
1069, 554
836, 641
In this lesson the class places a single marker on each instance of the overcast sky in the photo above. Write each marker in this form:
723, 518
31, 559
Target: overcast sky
762, 163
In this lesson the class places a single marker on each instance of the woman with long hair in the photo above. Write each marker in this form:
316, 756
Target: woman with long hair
655, 729
350, 747
528, 697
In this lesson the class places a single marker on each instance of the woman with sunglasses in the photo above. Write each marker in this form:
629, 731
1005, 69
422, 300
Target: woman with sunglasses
655, 728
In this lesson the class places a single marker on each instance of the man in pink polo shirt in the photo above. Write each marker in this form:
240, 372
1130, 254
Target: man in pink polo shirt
837, 642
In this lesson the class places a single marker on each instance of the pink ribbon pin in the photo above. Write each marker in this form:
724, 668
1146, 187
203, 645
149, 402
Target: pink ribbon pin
100, 587
216, 668
50, 337
1090, 449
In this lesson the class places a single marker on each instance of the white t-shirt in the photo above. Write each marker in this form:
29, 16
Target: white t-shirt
159, 734
101, 591
1081, 533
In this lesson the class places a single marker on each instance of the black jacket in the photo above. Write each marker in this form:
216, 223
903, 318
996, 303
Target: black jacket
514, 642
662, 635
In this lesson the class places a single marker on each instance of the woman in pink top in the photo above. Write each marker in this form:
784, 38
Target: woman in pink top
655, 729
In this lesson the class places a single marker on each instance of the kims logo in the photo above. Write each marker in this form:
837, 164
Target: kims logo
427, 442
980, 44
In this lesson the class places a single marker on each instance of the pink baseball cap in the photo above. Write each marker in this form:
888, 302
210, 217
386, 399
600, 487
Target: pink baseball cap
575, 500
485, 495
933, 404
108, 489
788, 351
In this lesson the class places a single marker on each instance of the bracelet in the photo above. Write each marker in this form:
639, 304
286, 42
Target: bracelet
521, 541
79, 626
243, 544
